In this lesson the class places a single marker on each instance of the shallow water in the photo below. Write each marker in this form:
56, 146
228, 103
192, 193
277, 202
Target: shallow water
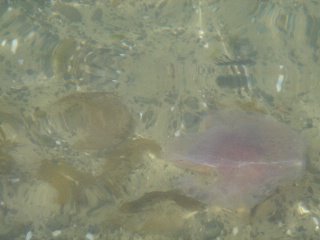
169, 64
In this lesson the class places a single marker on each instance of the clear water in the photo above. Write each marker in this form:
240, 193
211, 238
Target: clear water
168, 64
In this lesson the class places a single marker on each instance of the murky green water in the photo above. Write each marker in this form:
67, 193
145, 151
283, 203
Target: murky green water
91, 91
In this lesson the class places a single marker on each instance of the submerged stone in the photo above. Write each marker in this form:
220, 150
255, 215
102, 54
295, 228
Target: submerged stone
85, 121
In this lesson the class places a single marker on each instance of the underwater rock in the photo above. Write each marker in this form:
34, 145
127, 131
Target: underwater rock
238, 160
85, 121
69, 183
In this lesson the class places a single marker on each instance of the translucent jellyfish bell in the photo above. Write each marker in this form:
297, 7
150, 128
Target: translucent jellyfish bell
238, 160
